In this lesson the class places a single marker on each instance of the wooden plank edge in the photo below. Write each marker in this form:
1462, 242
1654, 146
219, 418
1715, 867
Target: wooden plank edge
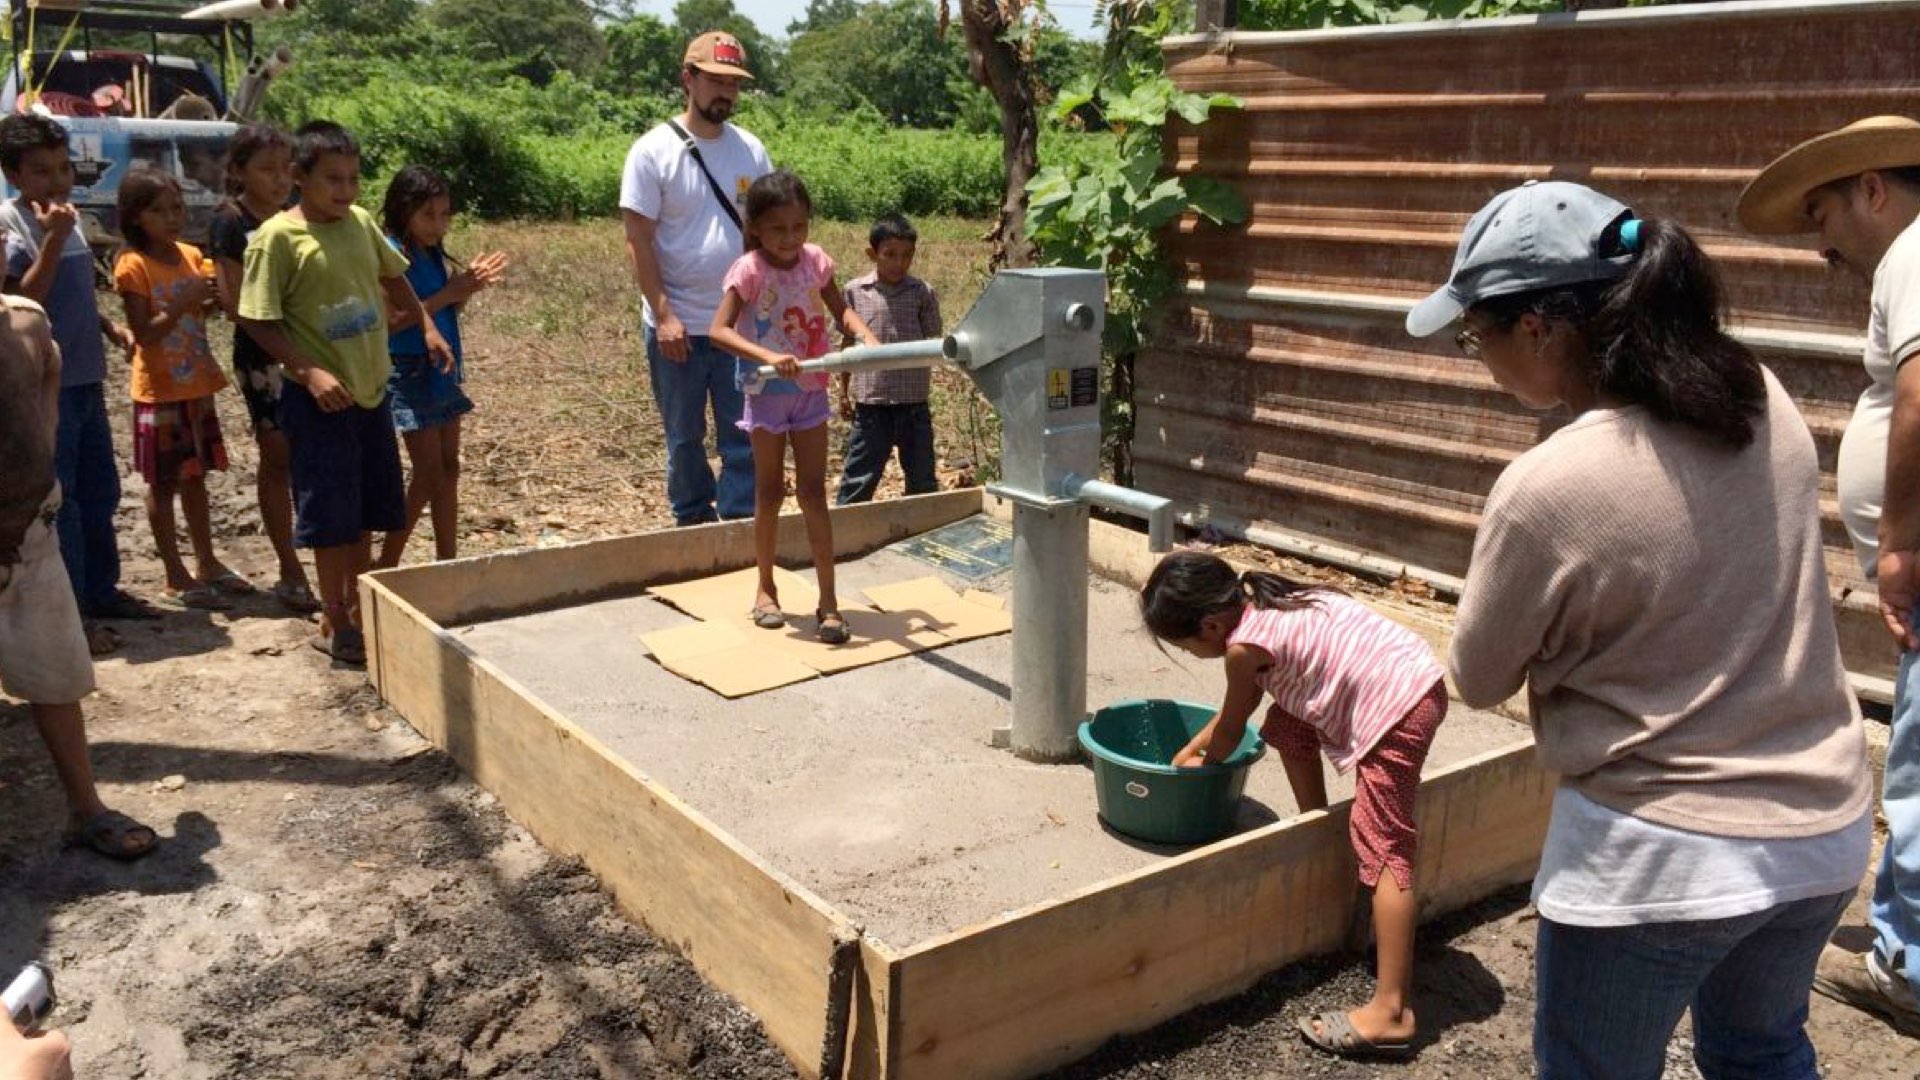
821, 1056
1454, 878
502, 584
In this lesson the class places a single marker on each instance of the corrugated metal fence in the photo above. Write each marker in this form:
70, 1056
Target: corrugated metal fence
1285, 393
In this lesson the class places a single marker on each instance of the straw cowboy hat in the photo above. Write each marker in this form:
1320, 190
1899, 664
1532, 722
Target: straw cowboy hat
1775, 202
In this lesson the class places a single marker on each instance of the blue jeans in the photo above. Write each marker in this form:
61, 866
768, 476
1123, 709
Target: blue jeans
1608, 998
90, 484
877, 431
682, 393
1895, 913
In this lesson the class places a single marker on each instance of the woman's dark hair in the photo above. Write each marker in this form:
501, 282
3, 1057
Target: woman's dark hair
1188, 586
316, 139
248, 141
771, 192
410, 189
1654, 337
139, 190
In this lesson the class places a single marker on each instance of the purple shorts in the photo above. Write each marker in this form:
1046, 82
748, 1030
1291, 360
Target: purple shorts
781, 413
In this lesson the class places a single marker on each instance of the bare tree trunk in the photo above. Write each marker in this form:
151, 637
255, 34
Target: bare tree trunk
1001, 67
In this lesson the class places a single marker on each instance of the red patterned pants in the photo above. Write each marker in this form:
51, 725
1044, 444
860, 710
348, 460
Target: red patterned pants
1385, 782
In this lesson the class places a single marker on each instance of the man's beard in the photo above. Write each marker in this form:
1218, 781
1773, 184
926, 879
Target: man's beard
716, 111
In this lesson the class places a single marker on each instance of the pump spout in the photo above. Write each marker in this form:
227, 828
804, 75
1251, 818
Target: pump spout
1154, 510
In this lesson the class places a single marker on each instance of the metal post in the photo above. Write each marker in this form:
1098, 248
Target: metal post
1049, 630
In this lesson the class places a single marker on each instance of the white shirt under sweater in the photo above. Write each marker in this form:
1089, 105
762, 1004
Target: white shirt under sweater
694, 240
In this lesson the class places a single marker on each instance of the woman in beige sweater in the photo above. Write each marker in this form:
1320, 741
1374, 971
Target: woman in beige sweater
1653, 572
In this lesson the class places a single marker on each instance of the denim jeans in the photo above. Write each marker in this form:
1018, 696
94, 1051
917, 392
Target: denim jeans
1608, 998
90, 484
1895, 913
683, 393
877, 431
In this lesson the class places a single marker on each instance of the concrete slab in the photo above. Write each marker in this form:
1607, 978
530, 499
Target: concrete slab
876, 787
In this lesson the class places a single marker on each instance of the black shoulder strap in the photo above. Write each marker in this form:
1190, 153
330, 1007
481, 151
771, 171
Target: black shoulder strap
693, 151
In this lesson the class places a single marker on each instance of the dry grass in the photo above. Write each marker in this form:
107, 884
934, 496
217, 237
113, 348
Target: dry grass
565, 442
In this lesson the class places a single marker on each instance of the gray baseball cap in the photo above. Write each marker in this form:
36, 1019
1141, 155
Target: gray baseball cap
1536, 236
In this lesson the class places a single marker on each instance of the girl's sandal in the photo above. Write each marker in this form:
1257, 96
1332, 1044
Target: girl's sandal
833, 627
768, 616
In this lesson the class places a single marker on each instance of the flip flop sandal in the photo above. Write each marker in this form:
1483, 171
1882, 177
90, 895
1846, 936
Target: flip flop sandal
832, 633
200, 598
295, 596
232, 584
107, 833
768, 616
1336, 1036
347, 645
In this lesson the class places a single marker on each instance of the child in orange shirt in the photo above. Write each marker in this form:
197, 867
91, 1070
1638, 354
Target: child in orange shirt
176, 433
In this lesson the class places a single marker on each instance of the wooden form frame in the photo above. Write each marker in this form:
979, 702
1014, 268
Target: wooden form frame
1027, 991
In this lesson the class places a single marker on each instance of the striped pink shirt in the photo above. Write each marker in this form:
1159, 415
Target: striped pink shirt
1341, 668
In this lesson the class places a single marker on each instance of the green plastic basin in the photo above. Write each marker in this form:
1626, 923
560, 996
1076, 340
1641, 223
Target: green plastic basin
1145, 797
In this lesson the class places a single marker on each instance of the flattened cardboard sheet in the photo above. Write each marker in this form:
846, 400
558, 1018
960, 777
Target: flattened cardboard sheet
938, 608
728, 654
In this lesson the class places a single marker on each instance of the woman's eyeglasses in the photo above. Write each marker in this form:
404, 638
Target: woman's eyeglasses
1468, 339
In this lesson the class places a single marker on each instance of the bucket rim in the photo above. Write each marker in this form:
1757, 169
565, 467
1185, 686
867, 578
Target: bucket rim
1104, 753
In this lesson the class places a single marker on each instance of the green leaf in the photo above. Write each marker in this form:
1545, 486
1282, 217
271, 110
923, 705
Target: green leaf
1079, 91
1050, 185
1193, 108
1163, 204
1215, 201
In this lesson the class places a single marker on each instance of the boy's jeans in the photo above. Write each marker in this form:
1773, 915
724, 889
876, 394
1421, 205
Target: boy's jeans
877, 430
682, 392
1608, 998
90, 479
1895, 913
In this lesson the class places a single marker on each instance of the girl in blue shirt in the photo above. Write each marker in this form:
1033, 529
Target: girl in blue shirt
427, 400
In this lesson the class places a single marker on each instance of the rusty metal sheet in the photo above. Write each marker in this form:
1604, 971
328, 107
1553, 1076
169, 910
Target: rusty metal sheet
1283, 392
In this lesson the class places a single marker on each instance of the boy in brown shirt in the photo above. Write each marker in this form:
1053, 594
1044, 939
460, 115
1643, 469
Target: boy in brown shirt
43, 651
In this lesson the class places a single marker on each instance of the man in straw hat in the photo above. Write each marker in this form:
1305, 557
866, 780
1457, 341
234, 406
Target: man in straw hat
682, 193
1859, 188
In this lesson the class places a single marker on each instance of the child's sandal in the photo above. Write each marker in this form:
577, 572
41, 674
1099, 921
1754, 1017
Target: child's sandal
833, 628
768, 616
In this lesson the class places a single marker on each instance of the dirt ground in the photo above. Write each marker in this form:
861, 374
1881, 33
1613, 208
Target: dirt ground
333, 899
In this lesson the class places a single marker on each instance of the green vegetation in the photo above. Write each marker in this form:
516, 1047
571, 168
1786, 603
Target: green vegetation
529, 108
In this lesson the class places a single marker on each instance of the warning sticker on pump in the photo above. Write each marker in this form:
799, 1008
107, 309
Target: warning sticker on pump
1059, 388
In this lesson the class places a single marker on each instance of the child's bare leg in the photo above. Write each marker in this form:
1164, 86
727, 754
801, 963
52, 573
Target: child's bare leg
339, 569
273, 485
166, 536
423, 455
193, 507
1305, 776
446, 497
810, 490
1387, 1018
769, 492
64, 731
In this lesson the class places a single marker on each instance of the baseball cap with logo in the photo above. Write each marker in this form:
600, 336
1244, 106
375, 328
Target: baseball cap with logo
1535, 236
717, 52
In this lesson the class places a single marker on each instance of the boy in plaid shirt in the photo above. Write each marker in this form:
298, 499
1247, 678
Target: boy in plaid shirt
889, 408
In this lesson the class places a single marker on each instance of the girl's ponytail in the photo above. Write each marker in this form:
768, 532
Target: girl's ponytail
1656, 340
1269, 591
1188, 586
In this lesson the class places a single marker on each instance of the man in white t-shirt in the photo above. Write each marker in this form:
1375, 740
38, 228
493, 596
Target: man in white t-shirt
1859, 188
682, 192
